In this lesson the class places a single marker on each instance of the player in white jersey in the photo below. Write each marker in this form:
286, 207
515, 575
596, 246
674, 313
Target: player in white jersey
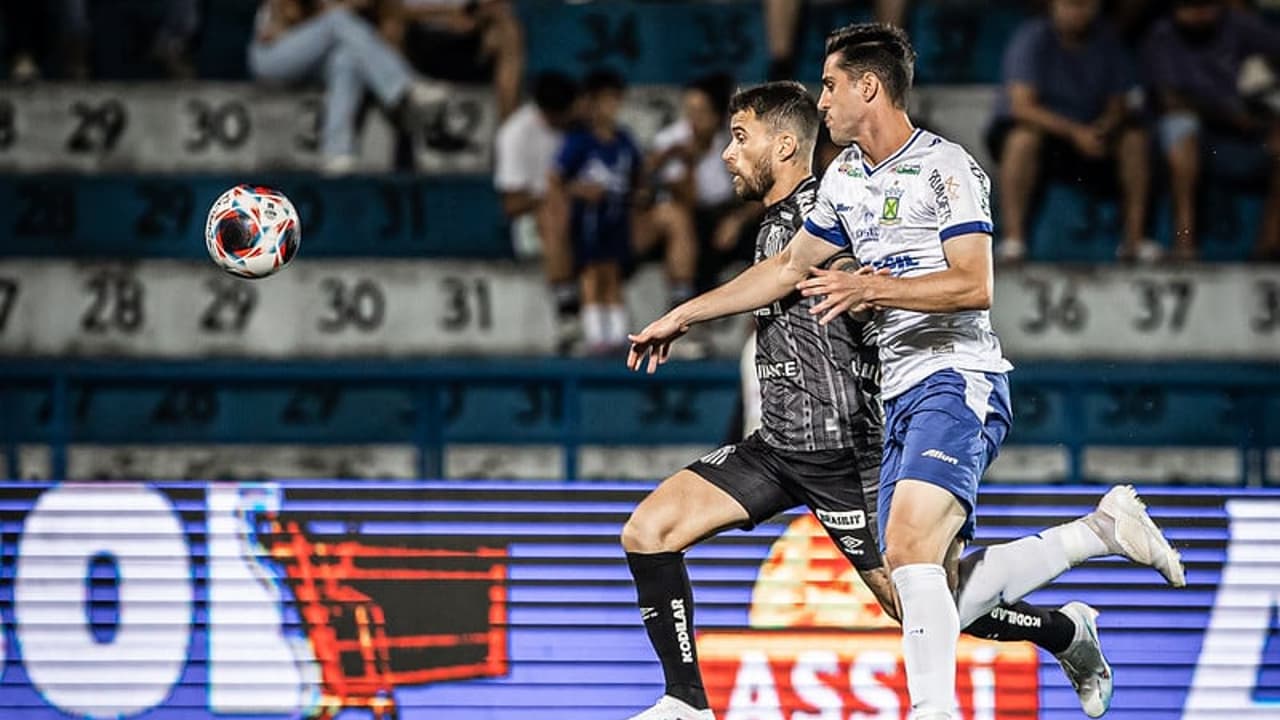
913, 208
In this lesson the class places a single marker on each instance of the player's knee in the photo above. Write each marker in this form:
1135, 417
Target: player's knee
643, 534
909, 548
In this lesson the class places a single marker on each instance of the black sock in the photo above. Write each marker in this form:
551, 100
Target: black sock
666, 606
568, 300
1049, 629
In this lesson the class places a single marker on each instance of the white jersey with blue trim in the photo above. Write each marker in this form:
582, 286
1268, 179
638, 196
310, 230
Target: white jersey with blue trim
898, 215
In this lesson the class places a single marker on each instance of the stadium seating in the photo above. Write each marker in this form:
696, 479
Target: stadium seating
118, 172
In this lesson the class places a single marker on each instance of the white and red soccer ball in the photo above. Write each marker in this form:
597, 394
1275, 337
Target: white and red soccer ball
252, 231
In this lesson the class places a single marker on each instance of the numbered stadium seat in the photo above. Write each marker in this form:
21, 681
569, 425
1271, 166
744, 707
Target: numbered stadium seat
162, 216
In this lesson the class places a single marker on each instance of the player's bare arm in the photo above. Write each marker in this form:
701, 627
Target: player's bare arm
765, 282
965, 285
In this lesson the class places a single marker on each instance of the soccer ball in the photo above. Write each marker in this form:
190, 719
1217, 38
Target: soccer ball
252, 231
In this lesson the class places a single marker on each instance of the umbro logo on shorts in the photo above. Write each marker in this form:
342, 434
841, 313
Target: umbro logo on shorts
939, 455
852, 545
718, 456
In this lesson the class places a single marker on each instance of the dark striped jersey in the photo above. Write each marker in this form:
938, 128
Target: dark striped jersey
819, 385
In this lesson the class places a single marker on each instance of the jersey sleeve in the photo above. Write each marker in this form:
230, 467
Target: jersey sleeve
572, 155
822, 220
960, 193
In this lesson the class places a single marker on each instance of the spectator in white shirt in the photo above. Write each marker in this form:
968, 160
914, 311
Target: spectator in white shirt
697, 215
524, 154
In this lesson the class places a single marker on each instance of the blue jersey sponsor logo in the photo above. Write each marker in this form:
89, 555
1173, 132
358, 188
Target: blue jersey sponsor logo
896, 264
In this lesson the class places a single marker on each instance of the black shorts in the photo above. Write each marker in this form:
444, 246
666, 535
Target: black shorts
839, 486
443, 55
1061, 161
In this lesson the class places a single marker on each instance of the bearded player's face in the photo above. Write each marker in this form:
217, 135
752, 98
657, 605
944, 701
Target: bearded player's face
749, 155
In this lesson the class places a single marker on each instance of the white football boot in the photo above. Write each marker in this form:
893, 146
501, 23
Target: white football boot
1084, 663
1122, 522
669, 708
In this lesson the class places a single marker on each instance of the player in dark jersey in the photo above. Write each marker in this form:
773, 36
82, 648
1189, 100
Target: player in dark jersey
819, 445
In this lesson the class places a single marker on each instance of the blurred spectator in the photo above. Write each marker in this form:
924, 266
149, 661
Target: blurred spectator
468, 41
28, 36
34, 30
170, 48
697, 214
1062, 112
1194, 62
295, 41
524, 155
782, 21
1133, 18
590, 200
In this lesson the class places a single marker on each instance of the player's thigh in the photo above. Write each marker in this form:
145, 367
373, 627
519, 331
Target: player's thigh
732, 486
923, 522
840, 488
949, 429
664, 522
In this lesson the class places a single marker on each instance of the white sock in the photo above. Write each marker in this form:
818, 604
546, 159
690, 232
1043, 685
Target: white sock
616, 317
1007, 572
595, 327
930, 631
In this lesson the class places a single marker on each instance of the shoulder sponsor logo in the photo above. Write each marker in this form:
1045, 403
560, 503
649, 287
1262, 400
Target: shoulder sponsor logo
847, 520
941, 196
841, 207
939, 455
984, 183
906, 169
850, 169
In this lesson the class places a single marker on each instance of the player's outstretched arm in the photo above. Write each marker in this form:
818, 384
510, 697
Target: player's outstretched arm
965, 285
765, 282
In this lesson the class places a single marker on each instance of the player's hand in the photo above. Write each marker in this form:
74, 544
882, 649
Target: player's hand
844, 291
655, 342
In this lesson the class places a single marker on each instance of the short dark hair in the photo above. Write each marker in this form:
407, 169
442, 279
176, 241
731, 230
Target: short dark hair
718, 88
784, 104
554, 91
877, 48
598, 81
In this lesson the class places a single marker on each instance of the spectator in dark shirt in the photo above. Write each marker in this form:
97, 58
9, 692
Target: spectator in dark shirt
1193, 62
590, 199
1064, 112
473, 42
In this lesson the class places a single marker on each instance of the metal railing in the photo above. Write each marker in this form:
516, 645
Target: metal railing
1250, 391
